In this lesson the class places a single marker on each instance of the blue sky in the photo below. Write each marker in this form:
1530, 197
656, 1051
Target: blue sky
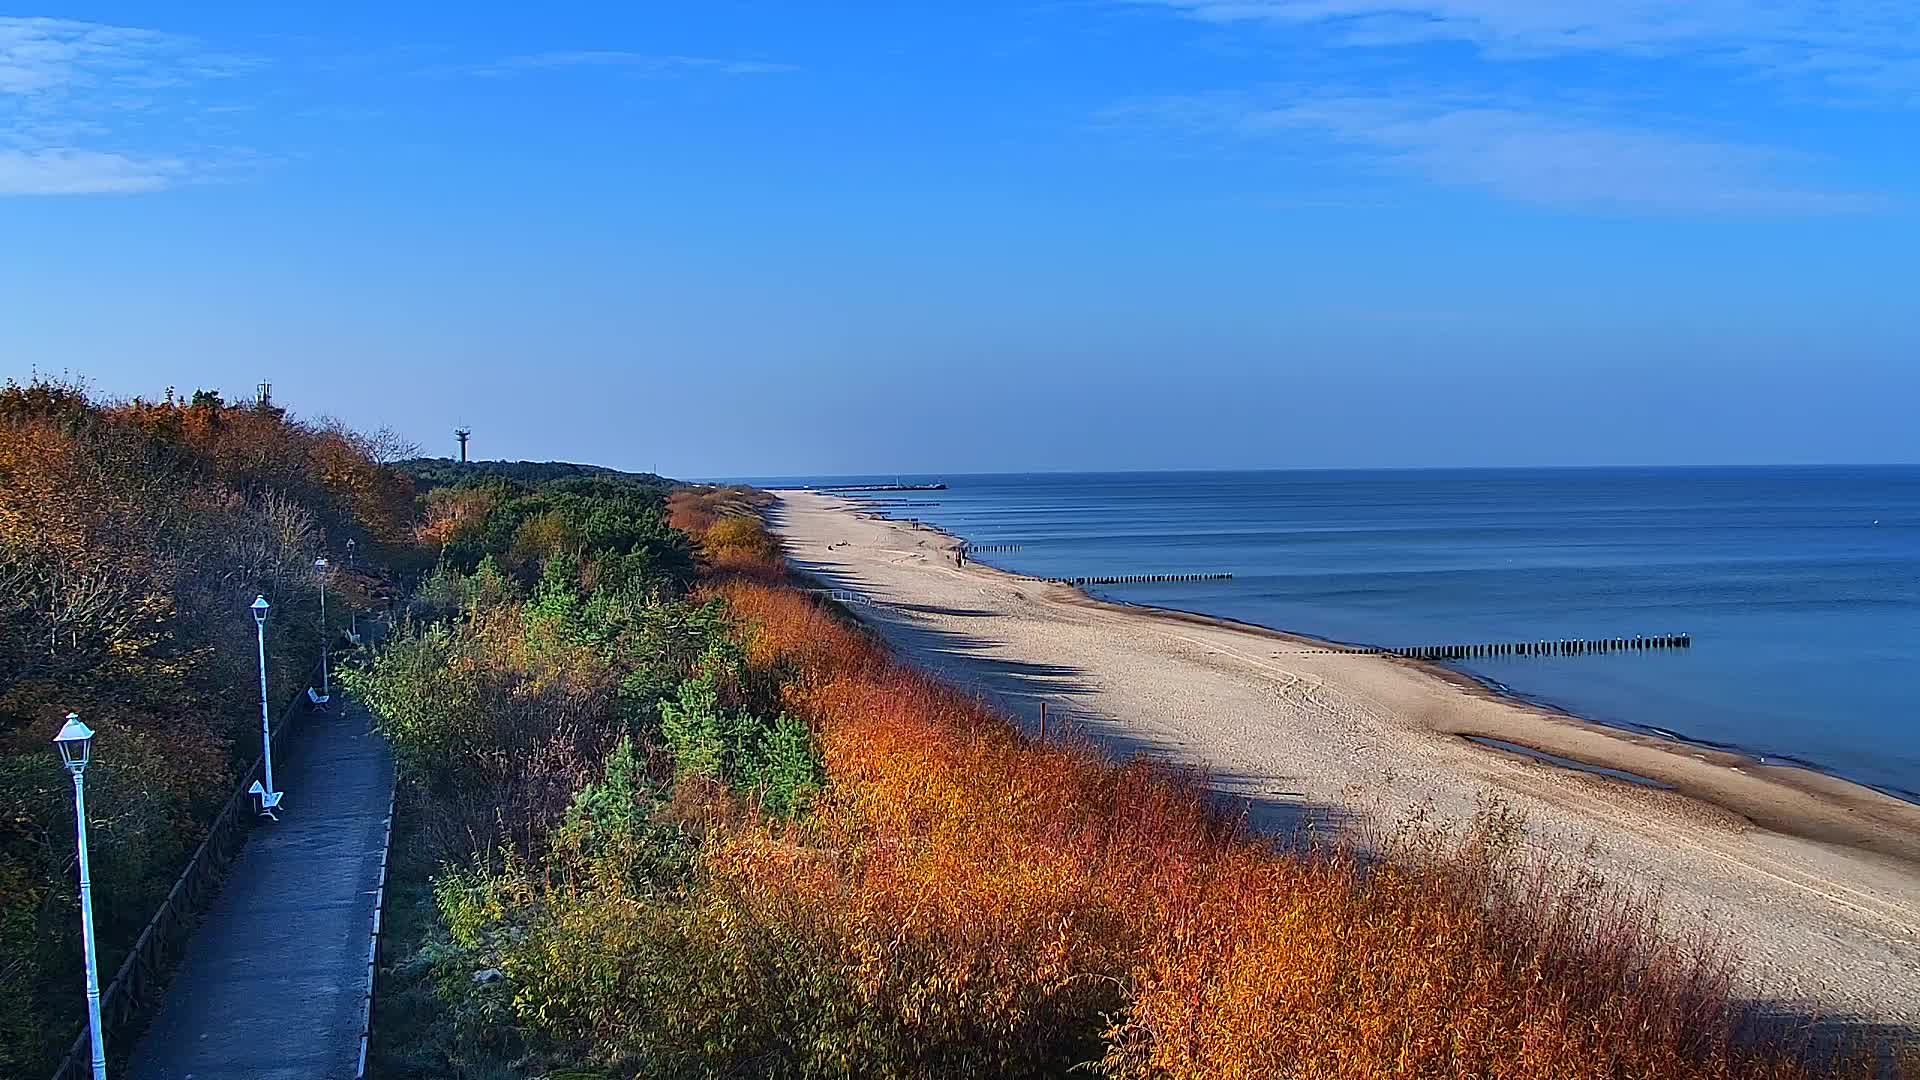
756, 238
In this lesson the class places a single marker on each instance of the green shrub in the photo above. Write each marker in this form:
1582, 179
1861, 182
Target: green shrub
785, 768
773, 759
699, 732
549, 738
616, 833
424, 706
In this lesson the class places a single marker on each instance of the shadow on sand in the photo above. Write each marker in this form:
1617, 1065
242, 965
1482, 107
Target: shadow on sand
1273, 806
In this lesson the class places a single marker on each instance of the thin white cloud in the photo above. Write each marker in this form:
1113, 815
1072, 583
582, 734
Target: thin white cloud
83, 172
1855, 46
649, 64
1531, 155
65, 83
1592, 144
42, 56
46, 57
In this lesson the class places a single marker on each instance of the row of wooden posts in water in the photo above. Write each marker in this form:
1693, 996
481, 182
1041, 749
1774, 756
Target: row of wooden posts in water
1140, 579
1565, 647
1559, 647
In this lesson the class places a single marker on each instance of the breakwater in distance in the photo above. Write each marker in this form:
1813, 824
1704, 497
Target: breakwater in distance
1565, 647
1800, 587
1140, 579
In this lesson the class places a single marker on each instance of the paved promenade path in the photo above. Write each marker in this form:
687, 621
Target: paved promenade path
274, 981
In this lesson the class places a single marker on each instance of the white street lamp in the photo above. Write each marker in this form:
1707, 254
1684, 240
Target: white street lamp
353, 613
325, 695
269, 798
353, 625
76, 750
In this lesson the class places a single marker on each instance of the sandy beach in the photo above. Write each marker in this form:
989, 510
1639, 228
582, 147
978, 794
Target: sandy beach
1814, 881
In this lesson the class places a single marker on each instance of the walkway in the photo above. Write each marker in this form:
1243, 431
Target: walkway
274, 981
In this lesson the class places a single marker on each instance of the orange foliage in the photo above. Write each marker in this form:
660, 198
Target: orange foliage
739, 533
725, 522
983, 898
688, 511
454, 513
132, 537
258, 447
694, 510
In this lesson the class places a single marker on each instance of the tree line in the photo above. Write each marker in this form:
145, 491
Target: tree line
133, 536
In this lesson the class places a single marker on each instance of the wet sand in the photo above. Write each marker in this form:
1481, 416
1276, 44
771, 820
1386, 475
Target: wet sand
1815, 881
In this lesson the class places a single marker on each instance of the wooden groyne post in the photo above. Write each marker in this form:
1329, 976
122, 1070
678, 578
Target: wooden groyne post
1141, 579
1557, 647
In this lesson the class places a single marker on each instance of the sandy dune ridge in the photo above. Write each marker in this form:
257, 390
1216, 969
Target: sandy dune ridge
1815, 881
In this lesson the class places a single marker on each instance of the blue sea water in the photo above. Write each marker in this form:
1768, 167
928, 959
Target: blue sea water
1800, 586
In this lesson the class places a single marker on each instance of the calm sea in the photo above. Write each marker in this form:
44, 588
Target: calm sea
1800, 586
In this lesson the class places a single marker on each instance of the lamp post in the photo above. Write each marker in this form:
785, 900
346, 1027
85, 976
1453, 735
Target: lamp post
321, 566
75, 742
353, 613
269, 798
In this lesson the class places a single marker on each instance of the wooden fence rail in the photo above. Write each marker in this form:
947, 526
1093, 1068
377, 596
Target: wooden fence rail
845, 596
158, 945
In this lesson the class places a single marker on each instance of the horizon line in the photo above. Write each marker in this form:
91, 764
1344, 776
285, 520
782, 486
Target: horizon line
899, 474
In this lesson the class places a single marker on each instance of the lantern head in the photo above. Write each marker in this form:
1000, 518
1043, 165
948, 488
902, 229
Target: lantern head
75, 742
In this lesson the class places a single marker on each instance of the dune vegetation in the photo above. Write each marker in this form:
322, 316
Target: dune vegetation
665, 812
133, 537
709, 827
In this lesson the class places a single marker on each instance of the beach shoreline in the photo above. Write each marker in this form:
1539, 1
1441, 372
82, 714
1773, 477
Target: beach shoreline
1849, 796
1468, 682
1283, 718
1801, 778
